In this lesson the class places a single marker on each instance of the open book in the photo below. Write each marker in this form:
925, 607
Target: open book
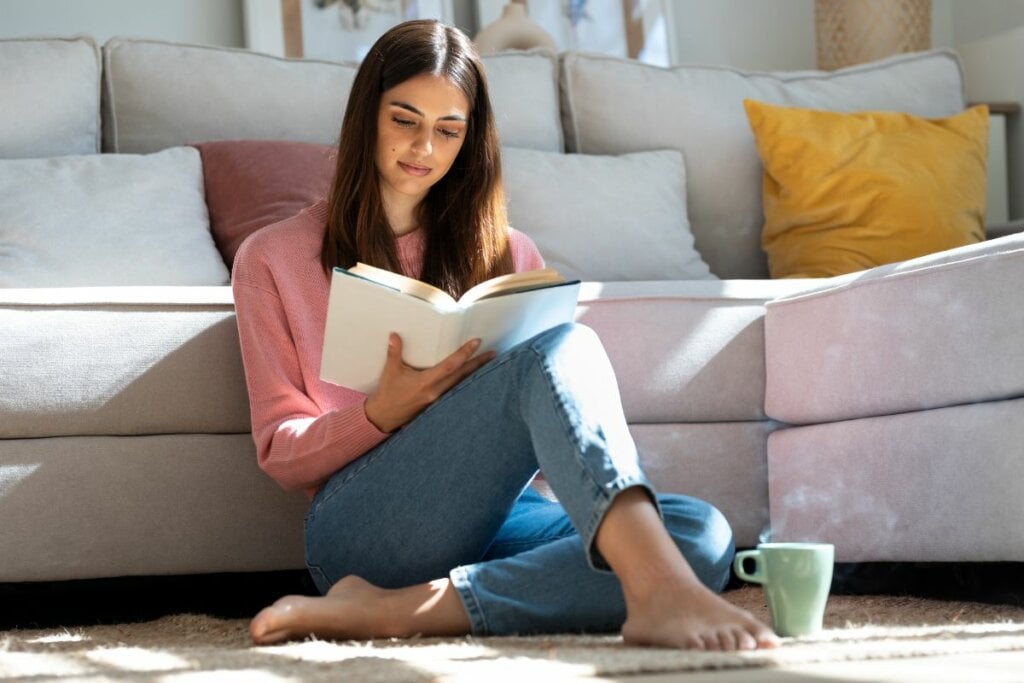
367, 303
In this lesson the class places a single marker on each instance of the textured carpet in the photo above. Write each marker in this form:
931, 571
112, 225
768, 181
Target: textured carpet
190, 647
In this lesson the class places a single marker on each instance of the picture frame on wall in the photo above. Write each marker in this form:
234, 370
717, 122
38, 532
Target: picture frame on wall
332, 30
636, 29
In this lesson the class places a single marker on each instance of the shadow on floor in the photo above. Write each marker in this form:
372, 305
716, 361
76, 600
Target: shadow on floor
988, 582
144, 598
228, 596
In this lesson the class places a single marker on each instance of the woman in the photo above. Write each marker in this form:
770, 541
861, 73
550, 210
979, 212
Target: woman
421, 519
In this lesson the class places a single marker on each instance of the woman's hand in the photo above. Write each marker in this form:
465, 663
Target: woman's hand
403, 392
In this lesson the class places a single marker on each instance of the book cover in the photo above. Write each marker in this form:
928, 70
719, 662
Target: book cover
366, 304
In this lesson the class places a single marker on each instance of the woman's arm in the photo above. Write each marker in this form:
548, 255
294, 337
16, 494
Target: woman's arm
297, 444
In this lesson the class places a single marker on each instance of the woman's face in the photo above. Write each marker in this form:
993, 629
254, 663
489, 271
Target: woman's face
421, 125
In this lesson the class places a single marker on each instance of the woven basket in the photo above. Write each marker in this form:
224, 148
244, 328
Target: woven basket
855, 31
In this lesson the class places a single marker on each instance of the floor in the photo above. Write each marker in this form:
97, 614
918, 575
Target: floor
46, 605
1002, 667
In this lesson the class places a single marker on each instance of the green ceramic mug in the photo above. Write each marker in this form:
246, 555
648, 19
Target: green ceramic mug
796, 579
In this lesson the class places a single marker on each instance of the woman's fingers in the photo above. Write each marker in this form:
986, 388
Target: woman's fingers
404, 392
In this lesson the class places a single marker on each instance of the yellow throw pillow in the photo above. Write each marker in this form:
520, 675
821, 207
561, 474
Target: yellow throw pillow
845, 192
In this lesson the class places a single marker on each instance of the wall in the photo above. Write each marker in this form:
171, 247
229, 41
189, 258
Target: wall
994, 74
747, 34
779, 34
204, 22
981, 19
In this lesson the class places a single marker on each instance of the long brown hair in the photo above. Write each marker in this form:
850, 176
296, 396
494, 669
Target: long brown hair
464, 212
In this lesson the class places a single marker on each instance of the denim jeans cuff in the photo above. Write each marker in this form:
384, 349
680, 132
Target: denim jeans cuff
613, 489
460, 578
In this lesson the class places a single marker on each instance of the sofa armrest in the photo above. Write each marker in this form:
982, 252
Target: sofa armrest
1004, 229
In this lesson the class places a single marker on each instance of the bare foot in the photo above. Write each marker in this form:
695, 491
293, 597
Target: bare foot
694, 618
346, 612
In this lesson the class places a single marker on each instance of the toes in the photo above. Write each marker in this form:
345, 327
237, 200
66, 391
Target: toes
696, 642
257, 627
726, 640
766, 637
273, 623
744, 640
263, 628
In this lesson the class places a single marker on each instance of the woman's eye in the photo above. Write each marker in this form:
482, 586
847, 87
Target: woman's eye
404, 123
449, 133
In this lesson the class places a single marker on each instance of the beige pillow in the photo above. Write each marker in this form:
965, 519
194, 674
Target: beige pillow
106, 219
604, 218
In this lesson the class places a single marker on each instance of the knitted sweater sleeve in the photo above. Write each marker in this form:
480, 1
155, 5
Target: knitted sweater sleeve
525, 255
297, 443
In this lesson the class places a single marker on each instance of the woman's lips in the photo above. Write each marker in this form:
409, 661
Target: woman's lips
413, 169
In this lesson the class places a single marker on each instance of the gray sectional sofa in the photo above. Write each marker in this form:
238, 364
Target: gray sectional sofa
882, 411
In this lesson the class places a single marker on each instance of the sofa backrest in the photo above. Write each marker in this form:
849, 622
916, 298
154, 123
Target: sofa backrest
158, 95
49, 97
614, 106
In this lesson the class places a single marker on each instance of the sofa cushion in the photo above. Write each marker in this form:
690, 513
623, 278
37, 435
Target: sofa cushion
159, 94
120, 361
613, 106
604, 217
685, 351
848, 192
930, 486
81, 507
523, 86
106, 219
723, 463
51, 97
936, 331
253, 183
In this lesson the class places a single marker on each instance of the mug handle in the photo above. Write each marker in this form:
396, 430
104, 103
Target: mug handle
737, 566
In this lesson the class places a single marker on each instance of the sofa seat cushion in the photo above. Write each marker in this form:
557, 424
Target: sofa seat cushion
935, 331
614, 106
50, 88
931, 486
82, 507
723, 463
158, 94
120, 361
685, 351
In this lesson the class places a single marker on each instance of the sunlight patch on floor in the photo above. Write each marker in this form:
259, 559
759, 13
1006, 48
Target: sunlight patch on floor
66, 637
435, 659
137, 659
226, 676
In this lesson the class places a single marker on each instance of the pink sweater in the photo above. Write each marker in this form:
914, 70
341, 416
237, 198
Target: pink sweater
306, 429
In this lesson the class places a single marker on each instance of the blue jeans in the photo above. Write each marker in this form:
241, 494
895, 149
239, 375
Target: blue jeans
448, 495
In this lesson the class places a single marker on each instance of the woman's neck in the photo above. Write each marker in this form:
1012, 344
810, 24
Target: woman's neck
403, 213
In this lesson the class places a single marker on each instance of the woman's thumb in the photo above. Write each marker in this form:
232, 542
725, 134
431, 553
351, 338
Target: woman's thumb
394, 346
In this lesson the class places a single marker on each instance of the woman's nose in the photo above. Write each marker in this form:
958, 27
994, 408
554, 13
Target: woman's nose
424, 144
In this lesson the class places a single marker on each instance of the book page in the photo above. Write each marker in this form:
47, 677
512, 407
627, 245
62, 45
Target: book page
513, 282
501, 322
403, 283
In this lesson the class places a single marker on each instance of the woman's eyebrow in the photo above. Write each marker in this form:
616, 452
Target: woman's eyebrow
414, 110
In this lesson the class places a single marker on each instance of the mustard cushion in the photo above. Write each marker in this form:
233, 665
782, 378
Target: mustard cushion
845, 192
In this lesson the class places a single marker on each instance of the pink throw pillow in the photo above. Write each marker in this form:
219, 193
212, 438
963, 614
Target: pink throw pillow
251, 184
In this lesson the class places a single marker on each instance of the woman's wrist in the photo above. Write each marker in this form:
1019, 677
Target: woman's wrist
373, 418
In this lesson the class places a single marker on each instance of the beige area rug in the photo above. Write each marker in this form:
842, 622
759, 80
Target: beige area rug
188, 648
